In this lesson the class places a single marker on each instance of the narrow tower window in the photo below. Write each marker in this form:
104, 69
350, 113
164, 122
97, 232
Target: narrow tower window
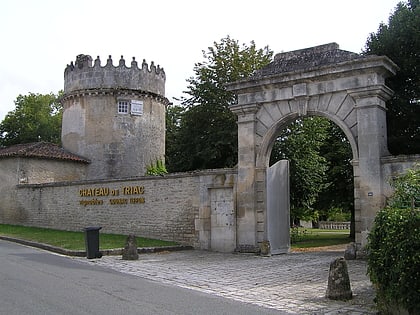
123, 107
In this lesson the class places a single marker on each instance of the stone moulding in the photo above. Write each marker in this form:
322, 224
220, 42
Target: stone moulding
119, 92
303, 66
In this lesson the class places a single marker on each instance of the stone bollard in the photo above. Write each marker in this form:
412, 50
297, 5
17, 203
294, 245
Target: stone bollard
339, 281
265, 249
130, 249
350, 252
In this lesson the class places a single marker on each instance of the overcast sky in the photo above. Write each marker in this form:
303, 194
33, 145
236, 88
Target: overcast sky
40, 37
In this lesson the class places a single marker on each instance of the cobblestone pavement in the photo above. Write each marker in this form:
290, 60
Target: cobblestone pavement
295, 283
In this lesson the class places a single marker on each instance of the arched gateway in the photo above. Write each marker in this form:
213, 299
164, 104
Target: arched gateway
347, 88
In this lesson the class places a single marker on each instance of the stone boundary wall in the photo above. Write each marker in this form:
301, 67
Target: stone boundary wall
396, 165
28, 170
166, 208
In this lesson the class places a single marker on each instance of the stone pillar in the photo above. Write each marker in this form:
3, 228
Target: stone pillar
246, 195
372, 141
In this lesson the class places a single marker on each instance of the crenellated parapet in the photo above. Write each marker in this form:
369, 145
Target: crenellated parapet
84, 74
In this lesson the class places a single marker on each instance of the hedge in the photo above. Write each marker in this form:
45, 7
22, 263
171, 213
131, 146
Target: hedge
394, 248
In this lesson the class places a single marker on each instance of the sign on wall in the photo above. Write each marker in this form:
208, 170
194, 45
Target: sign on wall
94, 196
136, 107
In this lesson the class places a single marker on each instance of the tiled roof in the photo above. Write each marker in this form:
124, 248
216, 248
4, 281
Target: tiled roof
43, 150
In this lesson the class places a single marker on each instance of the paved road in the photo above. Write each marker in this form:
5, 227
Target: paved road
34, 282
295, 283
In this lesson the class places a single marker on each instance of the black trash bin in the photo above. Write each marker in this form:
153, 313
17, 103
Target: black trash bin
92, 242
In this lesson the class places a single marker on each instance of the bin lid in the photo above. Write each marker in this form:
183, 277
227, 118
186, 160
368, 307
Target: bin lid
92, 228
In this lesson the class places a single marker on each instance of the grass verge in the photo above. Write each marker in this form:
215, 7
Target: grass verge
301, 238
307, 238
74, 240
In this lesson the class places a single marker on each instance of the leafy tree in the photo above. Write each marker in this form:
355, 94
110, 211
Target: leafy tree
336, 202
207, 133
339, 194
206, 138
400, 41
321, 174
36, 117
174, 115
301, 144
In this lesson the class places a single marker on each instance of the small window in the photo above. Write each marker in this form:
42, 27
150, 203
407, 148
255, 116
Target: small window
123, 107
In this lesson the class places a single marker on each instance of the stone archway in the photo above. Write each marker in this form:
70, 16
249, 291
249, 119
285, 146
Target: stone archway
345, 87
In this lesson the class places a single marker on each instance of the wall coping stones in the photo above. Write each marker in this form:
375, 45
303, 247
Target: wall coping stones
400, 158
135, 178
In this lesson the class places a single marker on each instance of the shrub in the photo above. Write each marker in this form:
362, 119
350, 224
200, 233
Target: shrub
394, 247
157, 169
394, 257
297, 234
337, 215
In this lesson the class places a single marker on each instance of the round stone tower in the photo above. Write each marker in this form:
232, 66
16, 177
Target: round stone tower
114, 116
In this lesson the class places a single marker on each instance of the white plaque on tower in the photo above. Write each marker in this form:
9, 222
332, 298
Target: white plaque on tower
136, 107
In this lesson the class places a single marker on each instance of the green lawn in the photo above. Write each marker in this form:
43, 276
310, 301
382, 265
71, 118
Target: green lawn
74, 240
306, 238
301, 238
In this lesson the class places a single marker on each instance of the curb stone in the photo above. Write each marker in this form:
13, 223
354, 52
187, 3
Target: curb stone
82, 253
